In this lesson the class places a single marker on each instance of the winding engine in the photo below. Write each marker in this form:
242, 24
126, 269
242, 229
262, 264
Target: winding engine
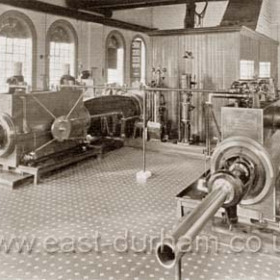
36, 125
241, 192
43, 131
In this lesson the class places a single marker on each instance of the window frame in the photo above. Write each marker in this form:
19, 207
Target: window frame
146, 57
253, 69
121, 40
72, 32
32, 30
267, 63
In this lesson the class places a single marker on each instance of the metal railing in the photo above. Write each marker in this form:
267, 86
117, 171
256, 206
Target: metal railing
149, 110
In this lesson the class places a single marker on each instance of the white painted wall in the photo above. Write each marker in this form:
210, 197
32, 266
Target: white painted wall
214, 14
269, 23
141, 16
265, 21
91, 38
172, 17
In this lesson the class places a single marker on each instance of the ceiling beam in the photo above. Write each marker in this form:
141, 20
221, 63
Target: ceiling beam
73, 13
128, 4
105, 12
74, 4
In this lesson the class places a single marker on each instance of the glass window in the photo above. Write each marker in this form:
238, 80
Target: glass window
138, 61
115, 60
265, 69
62, 50
247, 69
15, 46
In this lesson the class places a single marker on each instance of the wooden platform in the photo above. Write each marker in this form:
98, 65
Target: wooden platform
14, 179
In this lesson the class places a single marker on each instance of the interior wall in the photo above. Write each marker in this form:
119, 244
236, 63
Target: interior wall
141, 16
215, 65
274, 8
91, 45
259, 48
172, 16
265, 19
99, 35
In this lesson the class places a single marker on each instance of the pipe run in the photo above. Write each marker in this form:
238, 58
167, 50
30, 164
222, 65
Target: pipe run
226, 95
225, 190
169, 254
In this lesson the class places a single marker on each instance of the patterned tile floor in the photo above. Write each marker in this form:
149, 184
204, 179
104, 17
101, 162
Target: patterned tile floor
103, 196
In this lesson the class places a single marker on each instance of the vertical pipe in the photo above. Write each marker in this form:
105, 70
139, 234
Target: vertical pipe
207, 128
188, 108
179, 116
144, 129
178, 270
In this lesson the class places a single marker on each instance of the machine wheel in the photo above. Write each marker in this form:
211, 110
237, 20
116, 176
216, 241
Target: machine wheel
259, 162
7, 135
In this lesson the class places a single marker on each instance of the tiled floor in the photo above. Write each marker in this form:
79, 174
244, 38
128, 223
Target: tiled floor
103, 196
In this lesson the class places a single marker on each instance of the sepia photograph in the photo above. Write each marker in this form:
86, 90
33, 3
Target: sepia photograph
139, 140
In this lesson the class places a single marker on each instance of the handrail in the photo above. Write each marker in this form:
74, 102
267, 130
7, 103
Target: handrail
146, 88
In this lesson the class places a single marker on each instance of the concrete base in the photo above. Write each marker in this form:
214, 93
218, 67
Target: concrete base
143, 176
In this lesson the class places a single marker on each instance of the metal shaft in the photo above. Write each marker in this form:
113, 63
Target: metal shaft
193, 223
167, 253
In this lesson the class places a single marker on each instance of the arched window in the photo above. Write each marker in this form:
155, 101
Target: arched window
138, 60
115, 58
17, 34
62, 49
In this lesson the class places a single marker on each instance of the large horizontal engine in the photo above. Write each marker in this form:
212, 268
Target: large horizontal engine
37, 127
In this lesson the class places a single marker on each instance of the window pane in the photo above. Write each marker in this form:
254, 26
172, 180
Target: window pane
138, 61
247, 69
60, 54
15, 50
115, 62
265, 69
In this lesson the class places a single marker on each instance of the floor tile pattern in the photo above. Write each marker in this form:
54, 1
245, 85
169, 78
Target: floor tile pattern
103, 196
